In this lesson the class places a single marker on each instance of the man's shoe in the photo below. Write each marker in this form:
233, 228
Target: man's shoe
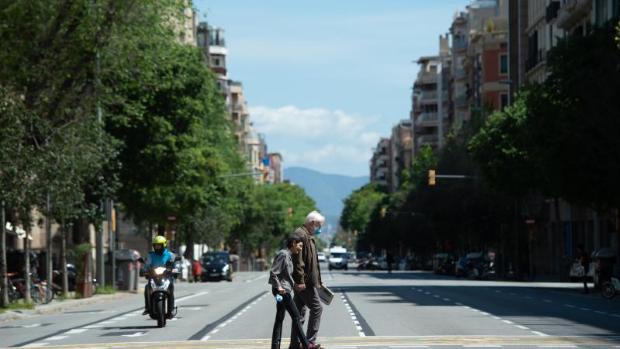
145, 312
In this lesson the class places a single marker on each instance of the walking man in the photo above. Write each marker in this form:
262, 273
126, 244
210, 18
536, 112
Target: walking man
584, 259
307, 277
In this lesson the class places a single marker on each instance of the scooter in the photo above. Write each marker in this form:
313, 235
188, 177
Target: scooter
160, 278
610, 288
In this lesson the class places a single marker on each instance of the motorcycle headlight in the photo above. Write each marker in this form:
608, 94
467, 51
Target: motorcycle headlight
159, 270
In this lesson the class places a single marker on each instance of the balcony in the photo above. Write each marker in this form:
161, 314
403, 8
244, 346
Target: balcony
460, 74
572, 11
534, 59
426, 120
461, 101
427, 139
459, 45
426, 95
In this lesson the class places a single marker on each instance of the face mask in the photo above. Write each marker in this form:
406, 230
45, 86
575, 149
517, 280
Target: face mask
317, 231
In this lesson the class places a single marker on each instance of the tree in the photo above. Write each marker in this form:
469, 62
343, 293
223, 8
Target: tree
359, 206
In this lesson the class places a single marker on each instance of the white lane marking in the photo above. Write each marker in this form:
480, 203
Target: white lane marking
137, 334
569, 305
540, 334
55, 338
30, 326
459, 304
93, 326
508, 322
547, 301
36, 345
558, 346
615, 315
256, 278
76, 330
600, 312
584, 309
446, 299
191, 296
222, 325
481, 346
408, 346
522, 327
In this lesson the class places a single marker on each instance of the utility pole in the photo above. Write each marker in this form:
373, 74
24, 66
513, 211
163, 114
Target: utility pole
100, 267
48, 243
4, 297
112, 243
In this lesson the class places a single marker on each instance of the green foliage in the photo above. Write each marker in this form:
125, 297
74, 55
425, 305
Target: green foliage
359, 206
501, 148
266, 220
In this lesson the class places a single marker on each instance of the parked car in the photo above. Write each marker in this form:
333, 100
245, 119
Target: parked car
216, 265
322, 257
443, 263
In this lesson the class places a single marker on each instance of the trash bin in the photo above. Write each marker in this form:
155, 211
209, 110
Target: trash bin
127, 269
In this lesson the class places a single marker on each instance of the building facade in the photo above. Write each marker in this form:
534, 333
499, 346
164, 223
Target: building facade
380, 163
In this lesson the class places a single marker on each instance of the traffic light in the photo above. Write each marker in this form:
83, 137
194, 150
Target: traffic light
431, 178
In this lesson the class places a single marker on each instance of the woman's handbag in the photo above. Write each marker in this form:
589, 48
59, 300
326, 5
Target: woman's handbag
326, 295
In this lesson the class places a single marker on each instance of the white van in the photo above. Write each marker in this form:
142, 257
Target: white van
338, 258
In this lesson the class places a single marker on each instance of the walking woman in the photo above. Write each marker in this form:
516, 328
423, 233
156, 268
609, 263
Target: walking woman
281, 280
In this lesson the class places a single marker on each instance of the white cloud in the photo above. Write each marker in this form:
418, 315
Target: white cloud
326, 140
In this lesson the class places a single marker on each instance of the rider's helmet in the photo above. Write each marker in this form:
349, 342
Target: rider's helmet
159, 243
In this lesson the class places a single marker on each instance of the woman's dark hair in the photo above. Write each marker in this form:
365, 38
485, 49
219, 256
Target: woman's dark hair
291, 240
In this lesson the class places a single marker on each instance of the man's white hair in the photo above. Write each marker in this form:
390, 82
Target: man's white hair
314, 216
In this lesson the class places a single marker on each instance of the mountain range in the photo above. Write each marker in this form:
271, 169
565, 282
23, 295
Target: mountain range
327, 190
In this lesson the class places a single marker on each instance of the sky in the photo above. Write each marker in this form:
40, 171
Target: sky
325, 79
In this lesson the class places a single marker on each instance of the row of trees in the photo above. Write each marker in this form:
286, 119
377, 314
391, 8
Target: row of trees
99, 100
559, 139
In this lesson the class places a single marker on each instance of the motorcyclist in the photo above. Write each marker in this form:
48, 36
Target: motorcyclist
159, 257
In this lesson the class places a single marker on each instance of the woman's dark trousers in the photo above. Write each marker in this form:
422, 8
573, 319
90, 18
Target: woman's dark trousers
287, 304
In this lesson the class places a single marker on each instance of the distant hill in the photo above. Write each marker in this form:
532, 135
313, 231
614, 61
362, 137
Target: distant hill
327, 190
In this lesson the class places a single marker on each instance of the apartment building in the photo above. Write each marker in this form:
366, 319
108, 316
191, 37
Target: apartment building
425, 108
212, 42
401, 153
536, 26
380, 163
276, 169
239, 114
487, 54
459, 83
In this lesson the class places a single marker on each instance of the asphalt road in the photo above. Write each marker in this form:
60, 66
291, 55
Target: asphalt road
371, 310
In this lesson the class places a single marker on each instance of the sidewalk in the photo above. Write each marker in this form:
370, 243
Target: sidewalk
57, 306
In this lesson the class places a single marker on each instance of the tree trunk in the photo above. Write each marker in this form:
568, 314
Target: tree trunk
27, 279
48, 242
4, 296
63, 259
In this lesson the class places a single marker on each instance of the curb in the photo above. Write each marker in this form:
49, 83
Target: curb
58, 306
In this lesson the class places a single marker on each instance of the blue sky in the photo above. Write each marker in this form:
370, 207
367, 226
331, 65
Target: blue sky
325, 79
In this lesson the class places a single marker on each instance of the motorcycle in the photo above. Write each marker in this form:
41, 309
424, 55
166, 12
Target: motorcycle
159, 297
368, 264
610, 288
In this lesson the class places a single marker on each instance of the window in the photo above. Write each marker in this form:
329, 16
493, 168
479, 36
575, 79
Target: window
216, 62
503, 100
503, 64
601, 12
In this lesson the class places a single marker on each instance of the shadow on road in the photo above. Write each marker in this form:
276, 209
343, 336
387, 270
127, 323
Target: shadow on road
531, 305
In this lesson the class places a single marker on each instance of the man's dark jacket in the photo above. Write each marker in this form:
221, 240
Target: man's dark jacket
306, 264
